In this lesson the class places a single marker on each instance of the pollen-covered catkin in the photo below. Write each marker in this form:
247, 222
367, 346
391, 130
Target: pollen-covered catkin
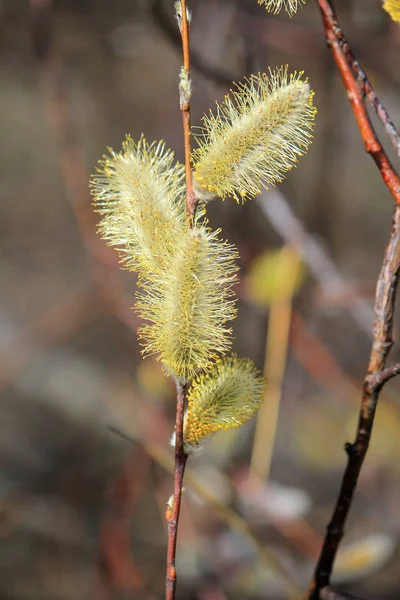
255, 137
140, 193
275, 6
187, 307
227, 396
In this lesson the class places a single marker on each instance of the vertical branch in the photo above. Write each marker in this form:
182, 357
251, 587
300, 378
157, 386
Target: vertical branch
183, 20
372, 145
373, 383
174, 504
386, 288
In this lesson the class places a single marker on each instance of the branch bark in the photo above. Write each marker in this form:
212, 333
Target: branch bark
174, 504
373, 383
377, 374
337, 42
191, 203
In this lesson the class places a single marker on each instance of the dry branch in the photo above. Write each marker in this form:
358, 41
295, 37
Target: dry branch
382, 342
372, 145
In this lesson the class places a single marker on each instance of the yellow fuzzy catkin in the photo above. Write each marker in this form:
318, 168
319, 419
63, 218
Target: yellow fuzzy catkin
227, 396
141, 194
393, 8
275, 6
256, 136
187, 306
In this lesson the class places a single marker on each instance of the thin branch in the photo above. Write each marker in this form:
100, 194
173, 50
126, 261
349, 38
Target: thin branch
370, 93
227, 515
383, 308
215, 73
174, 505
386, 375
382, 342
328, 593
372, 145
191, 203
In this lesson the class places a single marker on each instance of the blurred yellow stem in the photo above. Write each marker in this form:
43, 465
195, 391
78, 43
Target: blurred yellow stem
277, 340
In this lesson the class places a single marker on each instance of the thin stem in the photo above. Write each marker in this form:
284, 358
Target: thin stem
370, 94
174, 505
382, 342
372, 145
191, 203
387, 283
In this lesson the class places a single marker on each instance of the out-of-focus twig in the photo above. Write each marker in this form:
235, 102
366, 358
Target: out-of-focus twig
282, 218
329, 593
280, 312
118, 568
371, 142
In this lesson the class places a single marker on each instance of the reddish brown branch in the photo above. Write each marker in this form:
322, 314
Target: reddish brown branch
372, 145
377, 375
174, 505
191, 203
366, 85
374, 380
370, 93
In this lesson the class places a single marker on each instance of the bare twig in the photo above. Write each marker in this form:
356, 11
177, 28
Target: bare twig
382, 342
328, 593
369, 92
372, 145
174, 504
383, 308
385, 376
191, 203
277, 341
227, 514
282, 218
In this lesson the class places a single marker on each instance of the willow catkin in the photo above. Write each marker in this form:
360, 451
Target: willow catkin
140, 193
227, 396
275, 6
255, 137
189, 305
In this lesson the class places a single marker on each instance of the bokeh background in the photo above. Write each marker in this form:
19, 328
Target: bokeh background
84, 421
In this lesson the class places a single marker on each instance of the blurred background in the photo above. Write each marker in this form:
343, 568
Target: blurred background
84, 421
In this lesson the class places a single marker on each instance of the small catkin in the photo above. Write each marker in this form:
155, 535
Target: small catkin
275, 6
227, 396
140, 192
187, 307
256, 136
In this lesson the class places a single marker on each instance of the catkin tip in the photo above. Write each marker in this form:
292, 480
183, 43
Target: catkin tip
275, 6
255, 137
225, 397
